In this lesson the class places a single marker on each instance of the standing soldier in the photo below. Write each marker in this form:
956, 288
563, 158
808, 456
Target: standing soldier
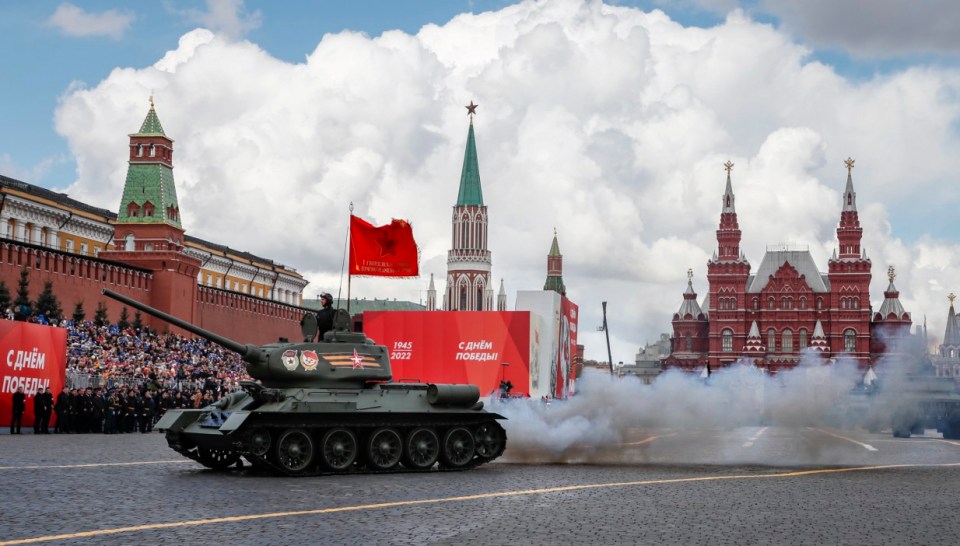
325, 315
99, 403
130, 420
110, 414
37, 410
146, 413
46, 405
19, 406
62, 409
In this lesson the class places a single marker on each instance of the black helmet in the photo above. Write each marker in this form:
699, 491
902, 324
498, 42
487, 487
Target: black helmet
328, 297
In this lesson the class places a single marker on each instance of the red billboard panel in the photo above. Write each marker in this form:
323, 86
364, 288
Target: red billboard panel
31, 356
460, 347
567, 348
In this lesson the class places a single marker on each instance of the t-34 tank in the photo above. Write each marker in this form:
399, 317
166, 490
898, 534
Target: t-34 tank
329, 407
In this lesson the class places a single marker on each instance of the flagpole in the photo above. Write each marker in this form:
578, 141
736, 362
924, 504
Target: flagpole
349, 276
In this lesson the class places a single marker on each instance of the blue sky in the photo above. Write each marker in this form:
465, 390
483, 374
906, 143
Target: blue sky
608, 124
41, 61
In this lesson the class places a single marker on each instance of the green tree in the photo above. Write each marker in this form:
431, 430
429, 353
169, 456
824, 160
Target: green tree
78, 313
4, 297
124, 321
47, 303
137, 321
21, 305
100, 317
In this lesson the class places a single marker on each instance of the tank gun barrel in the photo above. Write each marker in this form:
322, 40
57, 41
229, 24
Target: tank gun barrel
250, 353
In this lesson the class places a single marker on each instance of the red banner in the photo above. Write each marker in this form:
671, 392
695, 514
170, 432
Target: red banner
31, 356
385, 251
567, 349
481, 348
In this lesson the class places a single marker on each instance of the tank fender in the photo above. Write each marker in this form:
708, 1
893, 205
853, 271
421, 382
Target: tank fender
233, 422
177, 419
463, 396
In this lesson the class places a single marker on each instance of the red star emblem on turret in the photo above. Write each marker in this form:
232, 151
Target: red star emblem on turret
357, 360
472, 109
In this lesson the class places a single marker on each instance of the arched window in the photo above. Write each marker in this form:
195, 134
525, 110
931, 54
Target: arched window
849, 341
727, 340
803, 303
153, 151
128, 242
479, 298
819, 304
133, 209
856, 303
787, 341
756, 303
463, 298
139, 150
770, 303
688, 342
771, 340
802, 342
148, 209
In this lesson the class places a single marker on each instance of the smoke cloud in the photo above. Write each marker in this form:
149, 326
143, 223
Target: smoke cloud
623, 420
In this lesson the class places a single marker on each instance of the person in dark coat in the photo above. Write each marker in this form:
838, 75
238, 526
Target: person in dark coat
19, 406
62, 407
325, 315
37, 410
46, 405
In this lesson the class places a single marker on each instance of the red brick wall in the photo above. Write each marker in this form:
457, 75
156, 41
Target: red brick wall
75, 278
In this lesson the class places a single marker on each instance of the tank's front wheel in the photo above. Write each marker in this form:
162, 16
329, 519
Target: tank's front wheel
217, 459
295, 450
458, 447
422, 449
260, 442
384, 449
339, 448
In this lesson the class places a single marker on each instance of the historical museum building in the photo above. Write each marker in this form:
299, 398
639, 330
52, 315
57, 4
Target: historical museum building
143, 252
772, 316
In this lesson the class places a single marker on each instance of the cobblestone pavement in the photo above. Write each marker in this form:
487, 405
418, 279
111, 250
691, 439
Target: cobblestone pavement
746, 486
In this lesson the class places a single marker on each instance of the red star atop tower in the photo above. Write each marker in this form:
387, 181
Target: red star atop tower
471, 109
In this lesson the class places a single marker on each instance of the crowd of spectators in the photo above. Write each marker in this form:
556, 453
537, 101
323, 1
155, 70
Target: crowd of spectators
123, 379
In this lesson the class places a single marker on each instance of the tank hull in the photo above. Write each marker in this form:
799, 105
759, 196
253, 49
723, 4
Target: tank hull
305, 431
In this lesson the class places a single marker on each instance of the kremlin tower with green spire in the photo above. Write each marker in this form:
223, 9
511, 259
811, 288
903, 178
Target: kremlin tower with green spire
469, 261
147, 231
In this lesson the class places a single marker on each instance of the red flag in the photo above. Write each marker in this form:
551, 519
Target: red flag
385, 251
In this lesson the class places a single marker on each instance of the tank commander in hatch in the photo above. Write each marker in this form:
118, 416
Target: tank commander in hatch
325, 315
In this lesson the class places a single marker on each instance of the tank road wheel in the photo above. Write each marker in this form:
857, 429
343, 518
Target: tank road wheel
217, 459
422, 449
384, 449
295, 450
260, 442
339, 448
490, 440
458, 447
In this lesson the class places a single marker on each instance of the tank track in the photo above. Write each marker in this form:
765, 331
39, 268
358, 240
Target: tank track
224, 459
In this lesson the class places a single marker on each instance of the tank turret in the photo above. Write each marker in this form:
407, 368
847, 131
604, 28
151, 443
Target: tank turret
343, 359
329, 406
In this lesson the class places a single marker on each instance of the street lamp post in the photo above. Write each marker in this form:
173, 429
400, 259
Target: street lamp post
606, 331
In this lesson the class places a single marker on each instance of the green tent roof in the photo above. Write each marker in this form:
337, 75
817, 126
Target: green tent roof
151, 124
470, 192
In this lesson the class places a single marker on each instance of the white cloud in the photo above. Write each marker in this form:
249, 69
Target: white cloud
74, 21
229, 17
607, 123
